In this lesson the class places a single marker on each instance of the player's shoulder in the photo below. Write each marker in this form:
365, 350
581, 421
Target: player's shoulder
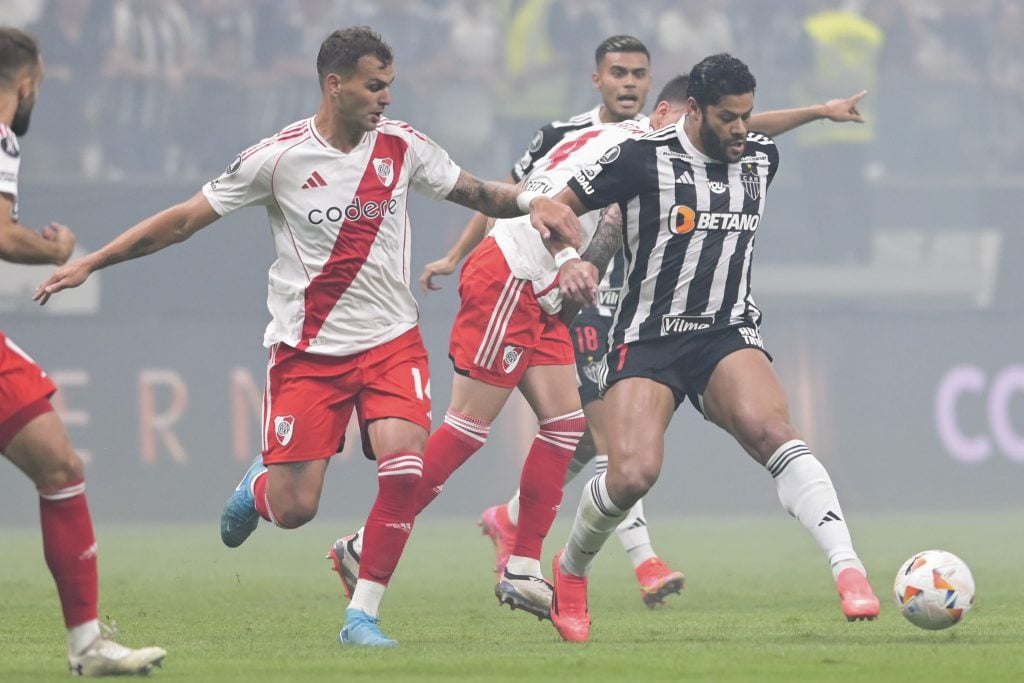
761, 145
399, 129
9, 142
584, 119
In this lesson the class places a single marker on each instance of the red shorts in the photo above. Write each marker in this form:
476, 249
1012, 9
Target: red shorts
500, 329
309, 397
24, 388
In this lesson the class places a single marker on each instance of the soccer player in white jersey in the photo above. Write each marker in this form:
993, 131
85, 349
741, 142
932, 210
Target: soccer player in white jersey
32, 436
686, 326
343, 333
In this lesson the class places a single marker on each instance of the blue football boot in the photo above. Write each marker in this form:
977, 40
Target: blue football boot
361, 629
239, 518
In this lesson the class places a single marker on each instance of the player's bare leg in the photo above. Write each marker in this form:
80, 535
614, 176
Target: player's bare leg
744, 397
639, 411
40, 448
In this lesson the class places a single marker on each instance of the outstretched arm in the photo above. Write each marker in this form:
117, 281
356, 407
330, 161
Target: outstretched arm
779, 121
473, 234
18, 244
170, 226
503, 200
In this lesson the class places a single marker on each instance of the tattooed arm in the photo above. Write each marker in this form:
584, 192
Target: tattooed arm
502, 200
170, 226
607, 241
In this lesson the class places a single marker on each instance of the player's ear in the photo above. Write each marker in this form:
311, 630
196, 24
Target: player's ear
595, 78
332, 84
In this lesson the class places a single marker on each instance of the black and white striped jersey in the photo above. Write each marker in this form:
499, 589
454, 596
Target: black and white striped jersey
543, 142
689, 224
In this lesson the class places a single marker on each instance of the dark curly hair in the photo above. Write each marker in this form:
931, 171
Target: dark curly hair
717, 76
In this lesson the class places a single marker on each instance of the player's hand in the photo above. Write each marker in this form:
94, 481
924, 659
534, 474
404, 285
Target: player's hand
549, 216
65, 277
845, 110
442, 266
578, 281
65, 239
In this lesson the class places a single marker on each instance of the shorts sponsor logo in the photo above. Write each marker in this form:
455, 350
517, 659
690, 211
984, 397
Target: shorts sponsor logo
751, 337
610, 156
608, 297
385, 169
675, 324
510, 358
683, 219
353, 212
284, 428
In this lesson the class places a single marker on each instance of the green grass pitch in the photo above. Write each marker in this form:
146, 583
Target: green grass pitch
759, 606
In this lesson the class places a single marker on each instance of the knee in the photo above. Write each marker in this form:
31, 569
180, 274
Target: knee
762, 437
296, 512
58, 469
629, 481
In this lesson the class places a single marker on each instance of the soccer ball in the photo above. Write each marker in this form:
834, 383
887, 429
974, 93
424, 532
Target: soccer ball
934, 589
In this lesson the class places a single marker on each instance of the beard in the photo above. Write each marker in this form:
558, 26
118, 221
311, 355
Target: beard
714, 146
22, 116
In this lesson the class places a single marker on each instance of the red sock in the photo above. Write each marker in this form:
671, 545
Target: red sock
448, 447
259, 493
540, 488
392, 515
70, 550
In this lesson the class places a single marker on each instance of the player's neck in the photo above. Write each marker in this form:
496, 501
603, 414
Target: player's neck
691, 128
335, 132
605, 115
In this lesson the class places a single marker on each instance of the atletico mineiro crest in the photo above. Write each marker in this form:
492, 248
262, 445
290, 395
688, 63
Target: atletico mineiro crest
385, 169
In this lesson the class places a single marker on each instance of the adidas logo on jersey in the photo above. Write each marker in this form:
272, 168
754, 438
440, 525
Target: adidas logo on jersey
315, 180
686, 178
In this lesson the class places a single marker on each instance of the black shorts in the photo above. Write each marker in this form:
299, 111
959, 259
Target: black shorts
682, 362
589, 334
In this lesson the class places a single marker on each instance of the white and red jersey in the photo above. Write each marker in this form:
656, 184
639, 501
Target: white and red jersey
340, 284
10, 163
524, 250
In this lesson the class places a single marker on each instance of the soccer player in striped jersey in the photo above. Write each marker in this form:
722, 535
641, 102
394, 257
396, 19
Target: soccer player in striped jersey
687, 201
622, 75
344, 331
32, 436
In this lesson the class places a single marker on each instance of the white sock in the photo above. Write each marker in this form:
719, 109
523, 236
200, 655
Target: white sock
632, 531
595, 521
524, 566
512, 507
82, 636
806, 492
367, 597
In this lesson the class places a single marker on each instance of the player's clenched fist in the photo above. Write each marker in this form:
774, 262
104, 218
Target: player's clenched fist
578, 282
551, 217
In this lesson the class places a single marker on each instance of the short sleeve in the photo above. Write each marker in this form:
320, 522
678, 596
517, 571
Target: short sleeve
245, 182
613, 179
432, 172
541, 144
